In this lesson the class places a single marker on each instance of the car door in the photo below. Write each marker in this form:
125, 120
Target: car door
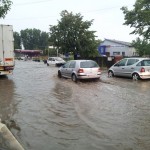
71, 68
130, 66
119, 68
49, 60
53, 61
64, 69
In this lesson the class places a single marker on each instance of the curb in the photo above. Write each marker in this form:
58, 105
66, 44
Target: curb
7, 140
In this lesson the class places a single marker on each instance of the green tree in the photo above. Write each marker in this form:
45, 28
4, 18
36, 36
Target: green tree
4, 7
44, 41
142, 46
139, 18
72, 34
34, 39
17, 40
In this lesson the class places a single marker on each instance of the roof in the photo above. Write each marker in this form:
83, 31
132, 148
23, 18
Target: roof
27, 51
120, 42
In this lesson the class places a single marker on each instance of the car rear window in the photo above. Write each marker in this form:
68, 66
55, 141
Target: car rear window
59, 59
88, 64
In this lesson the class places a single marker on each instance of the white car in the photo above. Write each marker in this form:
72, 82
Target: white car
55, 61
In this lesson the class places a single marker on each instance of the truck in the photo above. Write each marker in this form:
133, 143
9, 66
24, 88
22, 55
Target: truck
7, 61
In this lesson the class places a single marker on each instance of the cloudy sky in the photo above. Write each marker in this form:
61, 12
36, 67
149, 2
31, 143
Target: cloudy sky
39, 14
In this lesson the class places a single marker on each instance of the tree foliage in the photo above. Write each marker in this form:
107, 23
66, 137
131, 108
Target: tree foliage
34, 39
4, 7
72, 34
17, 40
139, 18
142, 47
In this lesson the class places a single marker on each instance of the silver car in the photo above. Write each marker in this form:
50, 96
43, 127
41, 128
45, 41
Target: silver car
136, 68
80, 69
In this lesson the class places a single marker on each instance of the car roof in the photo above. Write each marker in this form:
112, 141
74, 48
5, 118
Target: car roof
81, 60
140, 58
53, 57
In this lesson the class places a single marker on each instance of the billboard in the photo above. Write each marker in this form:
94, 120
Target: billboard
102, 50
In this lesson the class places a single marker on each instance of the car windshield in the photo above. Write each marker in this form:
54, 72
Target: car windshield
88, 64
58, 59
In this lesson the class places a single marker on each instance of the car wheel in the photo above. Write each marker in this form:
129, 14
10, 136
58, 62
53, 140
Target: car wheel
59, 74
110, 74
74, 78
135, 76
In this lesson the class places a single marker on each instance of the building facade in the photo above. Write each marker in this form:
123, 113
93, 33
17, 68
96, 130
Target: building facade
116, 48
29, 53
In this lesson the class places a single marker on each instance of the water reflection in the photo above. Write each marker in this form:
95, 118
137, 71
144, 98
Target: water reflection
8, 106
62, 92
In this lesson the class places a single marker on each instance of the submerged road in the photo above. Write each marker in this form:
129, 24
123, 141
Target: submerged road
48, 113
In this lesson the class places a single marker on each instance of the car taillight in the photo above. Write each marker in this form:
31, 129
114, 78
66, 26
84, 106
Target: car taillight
80, 70
99, 69
142, 70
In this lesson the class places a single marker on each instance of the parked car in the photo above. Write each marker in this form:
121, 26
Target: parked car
136, 68
80, 69
55, 61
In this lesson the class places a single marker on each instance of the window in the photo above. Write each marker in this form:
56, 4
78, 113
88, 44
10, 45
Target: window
88, 64
72, 64
132, 61
50, 59
66, 65
123, 53
116, 53
139, 64
122, 62
146, 62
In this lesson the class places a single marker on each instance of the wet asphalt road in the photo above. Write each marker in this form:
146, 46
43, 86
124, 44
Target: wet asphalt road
47, 113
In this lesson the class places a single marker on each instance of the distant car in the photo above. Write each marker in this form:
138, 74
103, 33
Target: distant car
55, 61
135, 68
80, 69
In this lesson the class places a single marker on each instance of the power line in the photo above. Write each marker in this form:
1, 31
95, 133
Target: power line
107, 8
44, 17
30, 3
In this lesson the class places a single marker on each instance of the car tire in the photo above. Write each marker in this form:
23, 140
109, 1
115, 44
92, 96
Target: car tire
74, 78
110, 74
135, 76
59, 74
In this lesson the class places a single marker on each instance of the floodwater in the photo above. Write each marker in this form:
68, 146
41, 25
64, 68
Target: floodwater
47, 113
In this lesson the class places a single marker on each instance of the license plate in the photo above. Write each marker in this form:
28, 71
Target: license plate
90, 75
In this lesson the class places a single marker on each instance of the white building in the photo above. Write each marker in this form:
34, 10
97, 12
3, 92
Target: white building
116, 48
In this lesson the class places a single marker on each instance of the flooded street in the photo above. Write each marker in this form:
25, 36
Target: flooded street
48, 113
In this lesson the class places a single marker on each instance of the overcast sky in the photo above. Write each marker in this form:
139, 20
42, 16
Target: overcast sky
39, 14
